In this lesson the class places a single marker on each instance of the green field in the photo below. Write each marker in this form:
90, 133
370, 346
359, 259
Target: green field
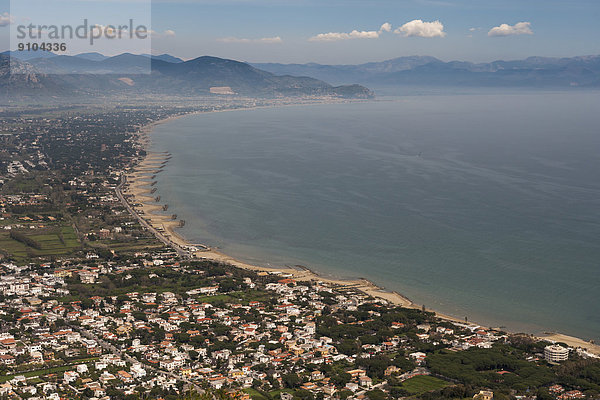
41, 372
22, 185
241, 297
423, 383
219, 297
131, 247
54, 241
255, 394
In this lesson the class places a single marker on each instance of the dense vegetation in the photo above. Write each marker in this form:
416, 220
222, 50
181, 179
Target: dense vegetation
20, 237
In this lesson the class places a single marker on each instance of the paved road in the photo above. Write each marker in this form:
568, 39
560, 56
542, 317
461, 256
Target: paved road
165, 240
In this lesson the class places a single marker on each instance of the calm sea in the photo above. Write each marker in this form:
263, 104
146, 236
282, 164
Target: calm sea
478, 205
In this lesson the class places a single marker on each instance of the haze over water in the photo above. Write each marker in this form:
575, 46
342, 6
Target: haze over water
479, 205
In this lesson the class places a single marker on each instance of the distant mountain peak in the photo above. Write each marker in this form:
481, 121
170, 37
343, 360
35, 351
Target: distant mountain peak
164, 57
430, 71
125, 74
94, 56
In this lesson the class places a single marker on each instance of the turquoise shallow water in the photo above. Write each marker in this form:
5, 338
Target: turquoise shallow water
480, 205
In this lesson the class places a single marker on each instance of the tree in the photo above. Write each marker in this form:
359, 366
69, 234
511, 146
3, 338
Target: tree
544, 394
376, 394
374, 366
20, 237
139, 315
397, 392
344, 394
340, 378
303, 394
291, 380
348, 347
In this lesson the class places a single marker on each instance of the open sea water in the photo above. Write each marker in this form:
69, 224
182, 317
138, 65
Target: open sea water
477, 205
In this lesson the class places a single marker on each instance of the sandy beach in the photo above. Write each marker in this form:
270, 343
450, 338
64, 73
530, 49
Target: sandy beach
571, 341
138, 190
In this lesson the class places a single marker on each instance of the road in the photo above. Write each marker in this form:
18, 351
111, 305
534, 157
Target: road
159, 235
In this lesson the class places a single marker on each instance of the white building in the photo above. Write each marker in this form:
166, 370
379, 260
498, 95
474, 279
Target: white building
556, 353
82, 368
70, 376
137, 371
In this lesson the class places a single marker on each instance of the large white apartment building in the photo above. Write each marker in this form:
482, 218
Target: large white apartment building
556, 353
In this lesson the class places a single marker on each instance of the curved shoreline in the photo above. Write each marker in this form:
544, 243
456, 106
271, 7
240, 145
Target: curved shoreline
140, 189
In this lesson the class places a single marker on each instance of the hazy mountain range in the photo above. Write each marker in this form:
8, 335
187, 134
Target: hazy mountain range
429, 71
27, 55
128, 74
43, 73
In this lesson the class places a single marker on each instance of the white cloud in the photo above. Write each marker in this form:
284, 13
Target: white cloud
472, 30
520, 28
166, 33
335, 36
6, 19
275, 39
355, 34
422, 29
233, 40
268, 40
386, 27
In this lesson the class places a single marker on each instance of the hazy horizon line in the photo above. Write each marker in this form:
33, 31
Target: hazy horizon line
320, 63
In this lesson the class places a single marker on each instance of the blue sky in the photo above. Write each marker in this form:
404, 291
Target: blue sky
322, 30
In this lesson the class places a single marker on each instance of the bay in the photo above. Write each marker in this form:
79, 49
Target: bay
478, 205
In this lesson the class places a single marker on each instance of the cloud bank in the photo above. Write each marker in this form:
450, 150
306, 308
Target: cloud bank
422, 29
355, 34
6, 19
165, 34
267, 40
520, 28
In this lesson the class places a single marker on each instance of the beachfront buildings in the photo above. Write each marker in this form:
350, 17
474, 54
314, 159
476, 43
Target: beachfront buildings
556, 353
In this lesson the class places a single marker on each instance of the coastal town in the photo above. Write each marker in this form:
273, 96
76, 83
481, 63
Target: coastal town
101, 299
